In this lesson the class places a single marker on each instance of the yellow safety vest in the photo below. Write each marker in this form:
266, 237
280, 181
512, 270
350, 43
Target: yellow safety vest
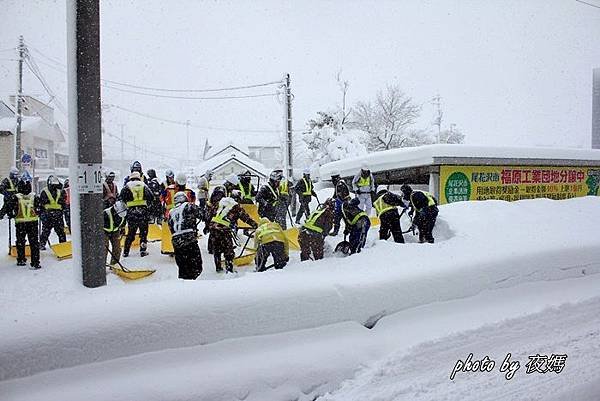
221, 217
111, 222
11, 187
138, 195
26, 212
283, 187
311, 222
381, 207
275, 194
245, 195
269, 232
53, 205
307, 187
430, 200
355, 219
364, 182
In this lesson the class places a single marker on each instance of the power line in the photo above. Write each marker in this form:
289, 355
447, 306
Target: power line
184, 123
189, 97
589, 4
233, 88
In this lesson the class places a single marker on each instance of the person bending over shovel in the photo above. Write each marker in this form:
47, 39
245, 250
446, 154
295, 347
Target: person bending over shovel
315, 228
357, 224
222, 229
183, 221
269, 239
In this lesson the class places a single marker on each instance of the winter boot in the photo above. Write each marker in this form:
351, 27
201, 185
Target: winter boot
143, 249
218, 264
35, 267
125, 252
22, 263
229, 266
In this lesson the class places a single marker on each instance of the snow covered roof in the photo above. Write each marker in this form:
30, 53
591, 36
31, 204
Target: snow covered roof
222, 158
461, 154
33, 126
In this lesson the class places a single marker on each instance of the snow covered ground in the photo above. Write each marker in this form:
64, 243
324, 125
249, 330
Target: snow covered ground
298, 333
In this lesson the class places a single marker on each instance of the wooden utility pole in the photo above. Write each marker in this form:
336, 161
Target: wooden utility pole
19, 101
85, 137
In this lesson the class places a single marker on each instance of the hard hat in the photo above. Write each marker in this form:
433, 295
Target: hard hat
14, 172
111, 175
276, 175
52, 180
181, 179
169, 173
120, 208
180, 197
208, 174
151, 173
406, 189
233, 179
381, 188
66, 183
227, 203
135, 176
136, 166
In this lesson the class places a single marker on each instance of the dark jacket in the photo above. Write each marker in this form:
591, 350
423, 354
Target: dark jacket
12, 206
391, 199
6, 189
420, 200
183, 220
54, 191
350, 210
300, 188
127, 196
267, 198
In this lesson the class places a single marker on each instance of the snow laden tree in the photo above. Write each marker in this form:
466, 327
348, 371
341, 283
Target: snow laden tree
452, 135
327, 140
388, 120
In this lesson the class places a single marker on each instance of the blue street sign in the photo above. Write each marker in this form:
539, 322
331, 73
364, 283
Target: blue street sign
26, 158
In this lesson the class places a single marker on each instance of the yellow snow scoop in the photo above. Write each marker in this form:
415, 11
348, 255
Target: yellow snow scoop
127, 274
292, 236
244, 260
374, 221
154, 233
166, 245
62, 250
252, 211
13, 251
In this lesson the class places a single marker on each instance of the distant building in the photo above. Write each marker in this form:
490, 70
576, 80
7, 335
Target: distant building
231, 160
596, 110
41, 138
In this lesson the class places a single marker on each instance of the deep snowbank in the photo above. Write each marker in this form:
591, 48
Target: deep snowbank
487, 245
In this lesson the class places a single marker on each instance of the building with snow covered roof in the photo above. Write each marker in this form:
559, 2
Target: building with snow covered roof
462, 172
231, 160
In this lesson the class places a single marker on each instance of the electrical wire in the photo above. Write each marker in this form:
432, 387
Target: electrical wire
589, 4
184, 123
189, 97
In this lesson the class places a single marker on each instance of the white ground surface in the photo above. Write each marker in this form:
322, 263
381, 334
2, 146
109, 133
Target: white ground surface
297, 333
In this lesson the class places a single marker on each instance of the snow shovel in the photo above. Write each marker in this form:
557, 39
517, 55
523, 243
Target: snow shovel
154, 232
127, 274
166, 245
343, 248
62, 250
244, 259
252, 211
9, 235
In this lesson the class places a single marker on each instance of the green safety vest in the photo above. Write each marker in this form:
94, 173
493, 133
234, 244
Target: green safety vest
381, 207
111, 222
307, 187
283, 187
364, 182
138, 196
245, 195
53, 205
355, 219
430, 200
26, 212
312, 220
269, 229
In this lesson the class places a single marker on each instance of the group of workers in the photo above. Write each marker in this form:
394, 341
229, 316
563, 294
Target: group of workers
143, 200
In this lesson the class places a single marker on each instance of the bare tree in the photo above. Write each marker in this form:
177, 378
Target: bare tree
388, 119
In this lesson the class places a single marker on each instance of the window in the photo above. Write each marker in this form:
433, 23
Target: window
41, 153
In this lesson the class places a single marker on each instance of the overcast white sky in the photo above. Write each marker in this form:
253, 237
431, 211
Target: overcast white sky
514, 72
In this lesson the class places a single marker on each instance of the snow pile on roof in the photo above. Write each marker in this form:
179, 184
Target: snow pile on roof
424, 155
8, 124
124, 320
222, 158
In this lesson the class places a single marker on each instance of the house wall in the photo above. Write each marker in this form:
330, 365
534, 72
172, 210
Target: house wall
7, 154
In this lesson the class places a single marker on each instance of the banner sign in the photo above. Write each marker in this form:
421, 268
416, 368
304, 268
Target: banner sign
511, 183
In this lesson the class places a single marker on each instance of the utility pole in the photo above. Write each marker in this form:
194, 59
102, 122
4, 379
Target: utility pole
19, 100
288, 127
437, 102
85, 140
